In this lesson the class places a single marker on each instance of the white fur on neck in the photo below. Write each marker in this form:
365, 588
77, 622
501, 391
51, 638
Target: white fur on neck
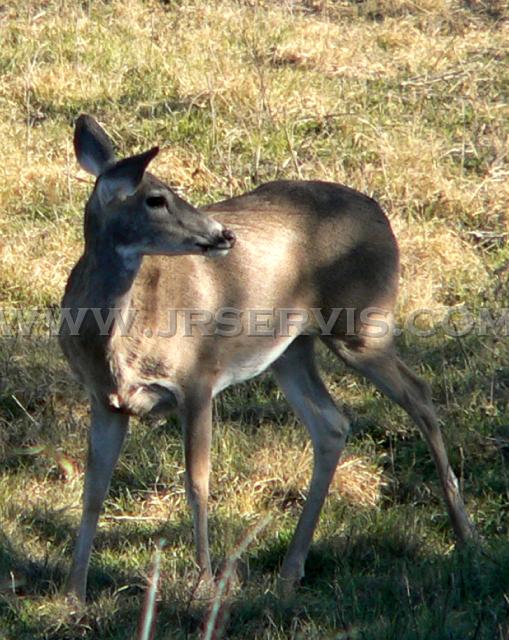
131, 257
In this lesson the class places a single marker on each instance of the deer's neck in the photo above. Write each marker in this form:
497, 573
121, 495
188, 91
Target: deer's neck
111, 273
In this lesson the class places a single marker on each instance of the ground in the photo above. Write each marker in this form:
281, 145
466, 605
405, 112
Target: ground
406, 101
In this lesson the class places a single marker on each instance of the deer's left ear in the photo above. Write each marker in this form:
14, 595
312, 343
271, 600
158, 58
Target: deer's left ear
92, 145
123, 178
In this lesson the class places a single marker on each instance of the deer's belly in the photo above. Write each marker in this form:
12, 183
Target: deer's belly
239, 369
151, 386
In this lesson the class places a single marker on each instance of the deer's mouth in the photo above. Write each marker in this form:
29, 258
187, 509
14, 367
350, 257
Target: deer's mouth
216, 251
213, 250
221, 247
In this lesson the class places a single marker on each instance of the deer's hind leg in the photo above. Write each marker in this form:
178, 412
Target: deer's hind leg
392, 376
304, 389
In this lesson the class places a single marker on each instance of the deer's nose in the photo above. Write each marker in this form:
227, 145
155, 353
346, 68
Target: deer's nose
229, 236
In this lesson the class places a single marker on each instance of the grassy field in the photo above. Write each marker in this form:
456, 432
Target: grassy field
405, 100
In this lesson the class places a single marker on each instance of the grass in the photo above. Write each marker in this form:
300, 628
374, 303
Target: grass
406, 101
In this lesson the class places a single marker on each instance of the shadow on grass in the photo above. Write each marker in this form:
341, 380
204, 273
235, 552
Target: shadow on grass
381, 586
32, 605
27, 576
380, 583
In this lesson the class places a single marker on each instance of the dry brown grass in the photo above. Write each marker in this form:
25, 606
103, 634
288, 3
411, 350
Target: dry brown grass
404, 100
259, 69
280, 474
437, 267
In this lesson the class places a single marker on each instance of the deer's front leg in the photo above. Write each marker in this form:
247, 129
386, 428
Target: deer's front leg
197, 423
107, 432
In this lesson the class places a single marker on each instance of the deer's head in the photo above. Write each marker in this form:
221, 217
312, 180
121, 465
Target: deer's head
135, 213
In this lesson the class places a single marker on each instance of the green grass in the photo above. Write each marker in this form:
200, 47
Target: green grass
406, 101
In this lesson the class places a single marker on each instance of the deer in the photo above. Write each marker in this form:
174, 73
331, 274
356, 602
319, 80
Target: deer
301, 245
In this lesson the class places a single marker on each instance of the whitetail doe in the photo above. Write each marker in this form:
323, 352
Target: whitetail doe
321, 257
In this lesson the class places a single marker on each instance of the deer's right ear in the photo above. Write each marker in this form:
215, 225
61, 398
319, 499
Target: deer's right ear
92, 145
124, 177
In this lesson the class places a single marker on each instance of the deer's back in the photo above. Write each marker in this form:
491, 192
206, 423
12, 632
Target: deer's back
308, 242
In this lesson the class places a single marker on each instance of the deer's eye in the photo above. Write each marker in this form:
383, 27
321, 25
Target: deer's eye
155, 202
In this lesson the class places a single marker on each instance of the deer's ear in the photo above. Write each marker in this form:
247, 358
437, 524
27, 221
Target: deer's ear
92, 145
123, 178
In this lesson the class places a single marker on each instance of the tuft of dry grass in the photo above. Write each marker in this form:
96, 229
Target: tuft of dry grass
281, 475
437, 267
